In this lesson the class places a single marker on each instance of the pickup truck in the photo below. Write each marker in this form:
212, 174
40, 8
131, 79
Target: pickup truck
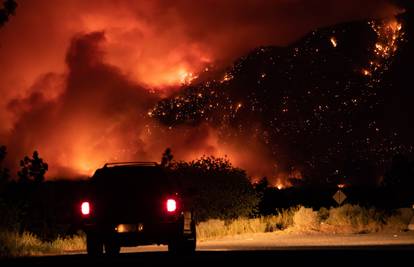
132, 204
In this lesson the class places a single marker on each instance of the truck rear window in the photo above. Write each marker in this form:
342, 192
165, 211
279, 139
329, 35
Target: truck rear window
138, 179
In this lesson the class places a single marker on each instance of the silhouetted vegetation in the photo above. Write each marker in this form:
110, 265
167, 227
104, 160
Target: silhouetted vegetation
213, 188
32, 169
9, 8
4, 172
167, 158
48, 210
216, 188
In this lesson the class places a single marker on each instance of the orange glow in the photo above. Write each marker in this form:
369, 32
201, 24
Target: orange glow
238, 106
366, 72
341, 185
281, 180
84, 153
186, 77
103, 64
333, 41
279, 186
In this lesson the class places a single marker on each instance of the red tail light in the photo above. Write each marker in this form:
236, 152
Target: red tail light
85, 208
171, 205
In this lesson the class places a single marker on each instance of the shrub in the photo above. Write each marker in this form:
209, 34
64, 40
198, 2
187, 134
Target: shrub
306, 219
399, 220
220, 191
355, 219
323, 214
281, 221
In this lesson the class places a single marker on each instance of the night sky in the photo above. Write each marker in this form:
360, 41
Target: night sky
282, 88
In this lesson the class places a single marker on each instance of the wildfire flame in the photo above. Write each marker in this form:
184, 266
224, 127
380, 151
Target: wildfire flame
282, 179
279, 186
389, 35
186, 77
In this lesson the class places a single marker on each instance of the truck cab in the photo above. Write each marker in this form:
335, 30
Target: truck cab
132, 204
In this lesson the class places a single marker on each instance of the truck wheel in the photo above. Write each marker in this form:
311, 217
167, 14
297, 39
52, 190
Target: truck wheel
112, 248
182, 246
94, 245
191, 240
185, 244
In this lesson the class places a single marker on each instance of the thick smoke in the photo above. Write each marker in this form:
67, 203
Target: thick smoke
98, 116
78, 77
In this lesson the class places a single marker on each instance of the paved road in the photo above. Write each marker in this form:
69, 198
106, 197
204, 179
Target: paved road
297, 250
283, 241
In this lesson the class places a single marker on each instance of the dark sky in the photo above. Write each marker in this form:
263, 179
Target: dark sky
78, 77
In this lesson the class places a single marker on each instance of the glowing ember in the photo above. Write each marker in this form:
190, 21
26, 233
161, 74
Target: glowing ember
334, 41
239, 105
227, 77
366, 72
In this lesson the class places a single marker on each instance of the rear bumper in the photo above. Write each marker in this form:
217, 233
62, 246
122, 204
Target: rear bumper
151, 233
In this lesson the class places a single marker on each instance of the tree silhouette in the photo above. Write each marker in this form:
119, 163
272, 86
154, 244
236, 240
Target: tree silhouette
9, 8
4, 172
3, 153
219, 189
32, 169
166, 158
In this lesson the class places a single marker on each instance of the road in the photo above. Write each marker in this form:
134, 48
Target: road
283, 241
295, 249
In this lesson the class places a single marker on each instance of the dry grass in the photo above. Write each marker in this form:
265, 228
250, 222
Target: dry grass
14, 244
399, 220
357, 219
352, 219
343, 219
219, 228
75, 243
26, 244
